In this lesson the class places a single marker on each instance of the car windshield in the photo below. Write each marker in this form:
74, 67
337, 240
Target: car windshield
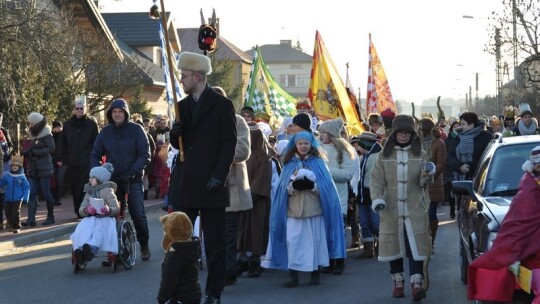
505, 171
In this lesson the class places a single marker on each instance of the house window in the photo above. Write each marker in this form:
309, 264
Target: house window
291, 80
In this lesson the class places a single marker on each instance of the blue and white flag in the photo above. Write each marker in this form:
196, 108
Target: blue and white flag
165, 65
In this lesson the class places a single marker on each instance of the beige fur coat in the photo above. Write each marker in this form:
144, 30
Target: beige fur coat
238, 181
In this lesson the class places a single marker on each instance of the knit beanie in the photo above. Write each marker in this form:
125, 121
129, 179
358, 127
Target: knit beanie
248, 110
102, 173
56, 123
35, 118
303, 120
332, 126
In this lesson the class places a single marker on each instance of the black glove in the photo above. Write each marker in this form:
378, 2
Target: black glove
27, 152
126, 178
177, 129
303, 184
214, 185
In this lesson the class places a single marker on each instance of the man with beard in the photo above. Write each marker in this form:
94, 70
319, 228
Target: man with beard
207, 124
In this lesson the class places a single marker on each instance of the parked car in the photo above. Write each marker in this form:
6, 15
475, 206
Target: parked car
485, 200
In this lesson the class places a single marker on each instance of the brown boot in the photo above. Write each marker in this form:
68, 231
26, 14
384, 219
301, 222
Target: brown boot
398, 291
367, 253
418, 292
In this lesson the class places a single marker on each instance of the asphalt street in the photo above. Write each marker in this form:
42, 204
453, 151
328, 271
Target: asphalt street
43, 274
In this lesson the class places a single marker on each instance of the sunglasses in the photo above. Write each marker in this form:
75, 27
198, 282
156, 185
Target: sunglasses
79, 108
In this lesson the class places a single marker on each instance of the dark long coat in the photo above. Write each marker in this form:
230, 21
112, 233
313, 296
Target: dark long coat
209, 146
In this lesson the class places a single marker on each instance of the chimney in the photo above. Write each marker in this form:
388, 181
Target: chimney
286, 42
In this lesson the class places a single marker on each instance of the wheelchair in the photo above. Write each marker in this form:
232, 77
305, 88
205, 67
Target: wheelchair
127, 250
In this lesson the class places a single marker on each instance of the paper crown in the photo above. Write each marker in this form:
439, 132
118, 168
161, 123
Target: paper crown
509, 112
80, 100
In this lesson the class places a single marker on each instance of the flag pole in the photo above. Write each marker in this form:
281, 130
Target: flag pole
171, 76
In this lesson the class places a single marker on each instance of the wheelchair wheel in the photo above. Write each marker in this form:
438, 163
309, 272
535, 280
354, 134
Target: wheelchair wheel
127, 245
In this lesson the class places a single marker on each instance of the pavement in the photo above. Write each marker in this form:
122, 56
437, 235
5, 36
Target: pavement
65, 223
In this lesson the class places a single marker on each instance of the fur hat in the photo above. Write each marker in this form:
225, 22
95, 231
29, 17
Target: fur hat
303, 120
56, 123
102, 173
80, 100
35, 118
374, 118
176, 227
17, 160
403, 123
332, 126
195, 62
427, 124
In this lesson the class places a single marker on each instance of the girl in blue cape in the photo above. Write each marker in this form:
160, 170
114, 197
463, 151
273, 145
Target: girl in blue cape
306, 225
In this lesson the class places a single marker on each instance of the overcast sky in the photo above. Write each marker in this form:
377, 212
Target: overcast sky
426, 47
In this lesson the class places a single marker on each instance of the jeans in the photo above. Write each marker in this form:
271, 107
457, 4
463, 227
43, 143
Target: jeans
415, 267
369, 221
433, 211
43, 184
135, 204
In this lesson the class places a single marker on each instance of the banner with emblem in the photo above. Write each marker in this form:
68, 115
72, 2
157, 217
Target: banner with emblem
327, 91
379, 97
264, 94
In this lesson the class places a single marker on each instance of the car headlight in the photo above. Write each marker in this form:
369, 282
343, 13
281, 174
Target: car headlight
491, 238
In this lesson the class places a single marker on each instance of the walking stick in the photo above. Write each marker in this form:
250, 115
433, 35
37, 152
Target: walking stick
171, 76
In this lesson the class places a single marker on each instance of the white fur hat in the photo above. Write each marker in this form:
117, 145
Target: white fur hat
195, 62
35, 118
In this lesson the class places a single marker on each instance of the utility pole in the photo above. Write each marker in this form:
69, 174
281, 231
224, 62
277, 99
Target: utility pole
498, 68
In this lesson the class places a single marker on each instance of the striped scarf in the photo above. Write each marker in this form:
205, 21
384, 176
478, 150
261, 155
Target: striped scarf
464, 150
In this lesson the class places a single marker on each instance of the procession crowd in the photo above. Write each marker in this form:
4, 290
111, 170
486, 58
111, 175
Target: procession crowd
264, 198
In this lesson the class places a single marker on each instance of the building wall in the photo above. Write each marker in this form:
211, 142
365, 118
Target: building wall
303, 72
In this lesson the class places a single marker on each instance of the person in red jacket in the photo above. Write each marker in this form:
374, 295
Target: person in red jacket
517, 240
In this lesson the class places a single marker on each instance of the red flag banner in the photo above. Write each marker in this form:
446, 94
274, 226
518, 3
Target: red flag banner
327, 92
379, 97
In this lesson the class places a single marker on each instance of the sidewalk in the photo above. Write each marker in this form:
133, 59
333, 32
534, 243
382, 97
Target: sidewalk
65, 223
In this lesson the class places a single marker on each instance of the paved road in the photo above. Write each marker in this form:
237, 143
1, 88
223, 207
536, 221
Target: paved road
43, 274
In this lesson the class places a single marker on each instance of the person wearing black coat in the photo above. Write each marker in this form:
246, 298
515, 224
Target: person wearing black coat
468, 147
40, 167
74, 148
207, 125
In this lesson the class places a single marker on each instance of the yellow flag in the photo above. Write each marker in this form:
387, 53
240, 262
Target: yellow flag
379, 97
327, 91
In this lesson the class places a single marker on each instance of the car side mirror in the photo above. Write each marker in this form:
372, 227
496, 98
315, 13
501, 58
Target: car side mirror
464, 187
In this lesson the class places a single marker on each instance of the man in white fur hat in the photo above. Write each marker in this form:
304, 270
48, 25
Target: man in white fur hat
207, 124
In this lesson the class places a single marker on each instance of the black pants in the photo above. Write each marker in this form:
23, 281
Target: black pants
415, 267
13, 214
231, 239
78, 176
213, 227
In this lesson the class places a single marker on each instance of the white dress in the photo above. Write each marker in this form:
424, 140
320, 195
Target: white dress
96, 231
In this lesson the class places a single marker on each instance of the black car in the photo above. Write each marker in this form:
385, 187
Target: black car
485, 200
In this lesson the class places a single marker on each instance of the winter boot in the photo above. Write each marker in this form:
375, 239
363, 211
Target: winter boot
50, 214
367, 253
255, 269
418, 292
293, 279
433, 226
315, 278
339, 266
398, 279
240, 267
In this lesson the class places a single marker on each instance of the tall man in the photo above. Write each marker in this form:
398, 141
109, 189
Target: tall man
208, 126
74, 148
126, 147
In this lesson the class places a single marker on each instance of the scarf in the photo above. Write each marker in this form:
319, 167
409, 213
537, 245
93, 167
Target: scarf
530, 130
464, 150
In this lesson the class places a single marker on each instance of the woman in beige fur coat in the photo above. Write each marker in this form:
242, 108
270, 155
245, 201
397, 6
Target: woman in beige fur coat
398, 182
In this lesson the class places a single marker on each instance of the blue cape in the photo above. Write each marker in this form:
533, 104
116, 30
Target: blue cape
333, 219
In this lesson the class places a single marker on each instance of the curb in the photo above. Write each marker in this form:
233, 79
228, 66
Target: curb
48, 235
